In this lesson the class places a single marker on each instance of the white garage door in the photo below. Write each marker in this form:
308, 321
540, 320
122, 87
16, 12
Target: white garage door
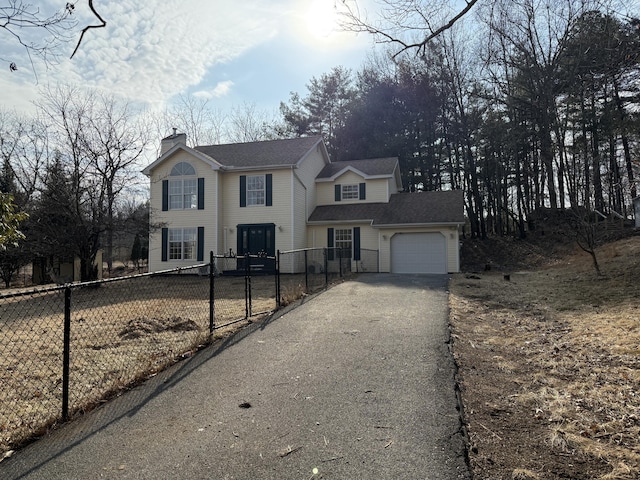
418, 253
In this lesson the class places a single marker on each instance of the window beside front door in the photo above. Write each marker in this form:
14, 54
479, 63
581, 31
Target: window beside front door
183, 244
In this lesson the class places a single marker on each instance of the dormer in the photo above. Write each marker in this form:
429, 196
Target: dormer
359, 181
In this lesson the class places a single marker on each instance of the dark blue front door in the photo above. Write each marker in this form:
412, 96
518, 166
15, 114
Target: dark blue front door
257, 240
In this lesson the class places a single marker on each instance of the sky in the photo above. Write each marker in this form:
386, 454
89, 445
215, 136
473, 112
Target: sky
231, 52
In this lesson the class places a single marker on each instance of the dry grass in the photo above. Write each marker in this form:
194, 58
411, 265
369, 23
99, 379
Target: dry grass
550, 362
120, 334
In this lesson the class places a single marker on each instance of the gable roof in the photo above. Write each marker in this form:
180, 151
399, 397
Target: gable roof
247, 156
420, 208
180, 146
270, 153
368, 168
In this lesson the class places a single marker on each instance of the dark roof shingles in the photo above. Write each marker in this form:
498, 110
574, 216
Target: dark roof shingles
402, 209
269, 153
370, 166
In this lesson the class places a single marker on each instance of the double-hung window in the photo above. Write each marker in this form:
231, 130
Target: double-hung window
183, 191
350, 192
344, 241
256, 190
183, 243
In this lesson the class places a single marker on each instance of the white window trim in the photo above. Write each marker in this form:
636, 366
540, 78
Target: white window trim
194, 196
343, 241
250, 199
182, 241
352, 191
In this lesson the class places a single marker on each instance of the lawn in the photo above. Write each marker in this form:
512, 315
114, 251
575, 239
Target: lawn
121, 332
549, 365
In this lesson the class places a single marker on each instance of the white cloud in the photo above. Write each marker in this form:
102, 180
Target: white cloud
221, 89
153, 50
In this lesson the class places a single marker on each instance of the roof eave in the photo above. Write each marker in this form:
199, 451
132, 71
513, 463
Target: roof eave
256, 168
423, 224
325, 222
363, 175
169, 153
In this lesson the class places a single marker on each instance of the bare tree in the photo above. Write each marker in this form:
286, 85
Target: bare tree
24, 148
98, 143
115, 142
195, 117
408, 24
248, 124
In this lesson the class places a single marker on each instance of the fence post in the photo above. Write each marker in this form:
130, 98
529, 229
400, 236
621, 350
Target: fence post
278, 279
66, 354
247, 286
212, 311
306, 271
326, 267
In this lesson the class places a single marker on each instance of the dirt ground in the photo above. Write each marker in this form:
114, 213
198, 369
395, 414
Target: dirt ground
549, 358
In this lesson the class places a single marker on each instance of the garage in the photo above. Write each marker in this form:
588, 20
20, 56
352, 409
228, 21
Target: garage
418, 253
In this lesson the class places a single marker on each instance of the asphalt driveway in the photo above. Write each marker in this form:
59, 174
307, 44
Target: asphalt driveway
355, 383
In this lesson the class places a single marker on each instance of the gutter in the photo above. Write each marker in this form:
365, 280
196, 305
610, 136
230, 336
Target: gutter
409, 225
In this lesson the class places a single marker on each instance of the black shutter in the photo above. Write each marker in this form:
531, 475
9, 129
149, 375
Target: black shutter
165, 195
165, 244
269, 189
200, 244
200, 193
338, 193
243, 190
330, 252
356, 243
363, 191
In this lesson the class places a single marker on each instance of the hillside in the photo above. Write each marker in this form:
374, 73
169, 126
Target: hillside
549, 357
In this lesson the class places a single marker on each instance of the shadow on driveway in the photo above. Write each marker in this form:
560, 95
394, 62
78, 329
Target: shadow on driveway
356, 382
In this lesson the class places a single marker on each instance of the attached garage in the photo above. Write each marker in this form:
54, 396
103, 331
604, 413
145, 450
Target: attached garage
424, 252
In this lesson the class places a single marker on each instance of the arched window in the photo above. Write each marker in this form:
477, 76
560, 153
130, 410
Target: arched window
182, 169
183, 191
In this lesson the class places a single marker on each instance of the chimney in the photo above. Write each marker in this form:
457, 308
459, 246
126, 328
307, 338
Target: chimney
173, 139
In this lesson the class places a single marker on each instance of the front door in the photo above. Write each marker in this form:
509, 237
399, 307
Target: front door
260, 240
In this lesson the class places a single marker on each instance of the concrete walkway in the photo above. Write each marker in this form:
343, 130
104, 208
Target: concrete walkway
355, 383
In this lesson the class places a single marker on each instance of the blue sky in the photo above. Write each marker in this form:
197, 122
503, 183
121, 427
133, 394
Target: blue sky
228, 51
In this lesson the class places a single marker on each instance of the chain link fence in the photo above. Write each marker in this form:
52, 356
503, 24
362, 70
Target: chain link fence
65, 349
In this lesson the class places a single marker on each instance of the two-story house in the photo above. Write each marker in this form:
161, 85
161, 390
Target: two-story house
260, 197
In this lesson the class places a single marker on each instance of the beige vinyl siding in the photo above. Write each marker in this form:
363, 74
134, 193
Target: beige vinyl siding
317, 238
189, 218
279, 213
307, 171
299, 212
377, 189
393, 186
304, 195
453, 249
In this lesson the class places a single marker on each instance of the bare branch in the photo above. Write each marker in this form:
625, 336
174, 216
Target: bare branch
355, 21
26, 24
84, 30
